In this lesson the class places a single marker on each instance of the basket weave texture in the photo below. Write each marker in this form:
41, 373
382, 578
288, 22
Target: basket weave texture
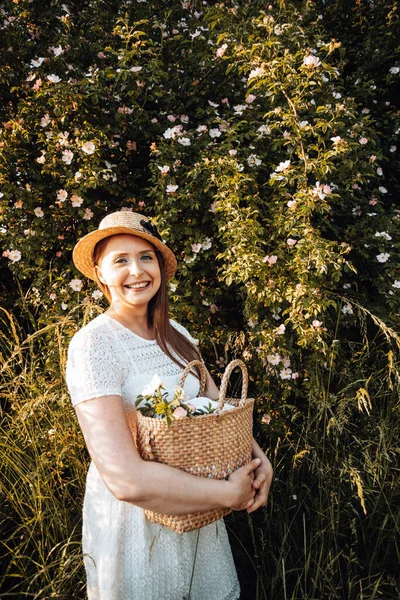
212, 445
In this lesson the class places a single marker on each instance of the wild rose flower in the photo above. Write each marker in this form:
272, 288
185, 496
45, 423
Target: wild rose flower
311, 61
282, 166
214, 133
394, 70
336, 139
179, 413
316, 324
76, 200
184, 141
291, 242
41, 159
67, 156
221, 50
271, 260
196, 248
295, 375
14, 255
266, 419
97, 294
280, 330
35, 63
64, 306
363, 141
396, 283
191, 407
382, 189
44, 121
62, 195
383, 257
285, 374
53, 296
38, 212
292, 204
250, 98
258, 72
76, 284
347, 310
206, 245
88, 214
171, 118
393, 148
135, 69
18, 204
53, 78
164, 170
273, 359
286, 362
171, 189
38, 83
88, 147
125, 110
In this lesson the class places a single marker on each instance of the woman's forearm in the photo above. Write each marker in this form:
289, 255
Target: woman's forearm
161, 488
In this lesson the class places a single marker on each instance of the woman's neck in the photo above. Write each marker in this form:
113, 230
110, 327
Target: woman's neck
135, 321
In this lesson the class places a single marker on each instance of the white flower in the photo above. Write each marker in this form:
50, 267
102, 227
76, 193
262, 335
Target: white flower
185, 141
311, 61
253, 160
164, 170
201, 128
53, 78
221, 50
258, 72
394, 70
173, 286
196, 248
292, 204
135, 69
240, 108
316, 324
213, 104
214, 133
303, 124
151, 387
291, 242
282, 166
207, 243
280, 330
76, 284
62, 195
67, 156
171, 189
188, 259
38, 212
347, 310
57, 51
393, 148
383, 257
88, 214
336, 95
396, 283
336, 139
64, 306
264, 130
383, 234
239, 167
44, 121
14, 255
271, 260
382, 189
41, 159
76, 200
286, 374
37, 62
286, 362
250, 98
363, 141
273, 359
88, 147
97, 294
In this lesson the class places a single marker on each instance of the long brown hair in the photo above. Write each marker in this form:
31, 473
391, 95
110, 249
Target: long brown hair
170, 340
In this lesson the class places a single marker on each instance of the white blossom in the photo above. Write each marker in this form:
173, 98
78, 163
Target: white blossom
39, 212
76, 284
88, 147
383, 257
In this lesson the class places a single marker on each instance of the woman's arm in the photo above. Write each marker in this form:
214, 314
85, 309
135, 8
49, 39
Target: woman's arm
263, 473
151, 485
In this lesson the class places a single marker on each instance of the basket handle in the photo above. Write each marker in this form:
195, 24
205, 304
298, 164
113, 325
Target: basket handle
203, 375
225, 380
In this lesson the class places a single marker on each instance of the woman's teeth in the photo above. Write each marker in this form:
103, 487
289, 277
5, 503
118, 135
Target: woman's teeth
138, 285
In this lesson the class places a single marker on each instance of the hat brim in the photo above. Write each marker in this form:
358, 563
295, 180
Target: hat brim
82, 254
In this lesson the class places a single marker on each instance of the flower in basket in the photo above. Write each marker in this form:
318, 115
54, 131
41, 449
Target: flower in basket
154, 402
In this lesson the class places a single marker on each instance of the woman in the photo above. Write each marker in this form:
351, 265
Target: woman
110, 360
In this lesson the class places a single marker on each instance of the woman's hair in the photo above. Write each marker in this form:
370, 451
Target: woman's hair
168, 337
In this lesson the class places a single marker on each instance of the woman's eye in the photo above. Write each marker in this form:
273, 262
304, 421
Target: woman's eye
147, 256
120, 260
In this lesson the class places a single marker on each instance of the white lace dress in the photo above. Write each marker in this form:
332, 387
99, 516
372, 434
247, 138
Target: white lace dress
126, 556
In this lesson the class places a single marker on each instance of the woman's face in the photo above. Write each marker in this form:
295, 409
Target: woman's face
129, 267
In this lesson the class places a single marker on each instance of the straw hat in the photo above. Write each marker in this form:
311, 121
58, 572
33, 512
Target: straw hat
121, 222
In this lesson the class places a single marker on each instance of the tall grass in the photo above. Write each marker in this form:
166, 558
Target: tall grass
331, 526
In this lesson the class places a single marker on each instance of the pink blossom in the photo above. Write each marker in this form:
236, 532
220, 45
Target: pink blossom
62, 195
53, 296
37, 84
250, 98
41, 159
101, 55
316, 324
76, 200
88, 147
363, 141
38, 212
221, 50
271, 260
191, 407
179, 413
295, 375
141, 203
171, 118
18, 204
291, 242
123, 110
88, 214
13, 255
311, 61
67, 156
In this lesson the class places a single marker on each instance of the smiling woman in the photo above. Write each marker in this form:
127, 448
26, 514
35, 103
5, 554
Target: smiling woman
110, 361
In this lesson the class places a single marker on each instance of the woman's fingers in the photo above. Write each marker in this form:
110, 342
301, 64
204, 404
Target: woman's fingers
259, 480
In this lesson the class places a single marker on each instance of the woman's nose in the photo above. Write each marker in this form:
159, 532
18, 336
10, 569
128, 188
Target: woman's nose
136, 268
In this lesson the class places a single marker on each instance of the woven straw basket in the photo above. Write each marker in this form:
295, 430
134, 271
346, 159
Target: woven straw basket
212, 445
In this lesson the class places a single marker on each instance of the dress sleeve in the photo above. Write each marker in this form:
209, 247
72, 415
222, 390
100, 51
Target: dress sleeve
94, 367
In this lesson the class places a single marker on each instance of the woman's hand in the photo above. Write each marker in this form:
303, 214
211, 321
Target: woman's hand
241, 482
262, 481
